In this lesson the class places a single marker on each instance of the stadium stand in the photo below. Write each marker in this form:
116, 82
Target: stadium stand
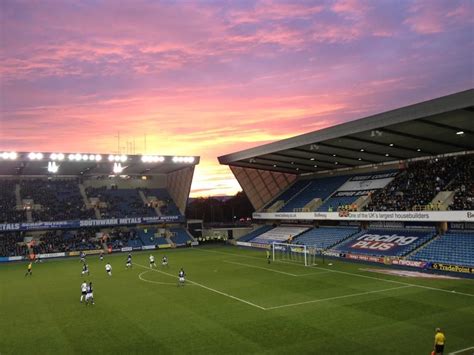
294, 189
8, 211
463, 186
335, 203
385, 242
454, 247
279, 234
419, 184
317, 188
60, 200
11, 244
166, 204
180, 236
120, 203
325, 237
255, 233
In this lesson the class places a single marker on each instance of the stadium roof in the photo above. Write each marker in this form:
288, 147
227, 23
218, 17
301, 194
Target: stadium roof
28, 163
439, 126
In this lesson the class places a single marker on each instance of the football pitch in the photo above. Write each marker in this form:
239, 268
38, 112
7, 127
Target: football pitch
233, 303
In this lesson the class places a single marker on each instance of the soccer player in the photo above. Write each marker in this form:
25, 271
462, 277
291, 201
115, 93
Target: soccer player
101, 256
439, 341
129, 261
89, 294
152, 261
28, 271
85, 269
108, 269
83, 291
181, 277
164, 261
82, 256
268, 256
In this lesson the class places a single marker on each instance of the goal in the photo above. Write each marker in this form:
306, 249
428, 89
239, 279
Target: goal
301, 254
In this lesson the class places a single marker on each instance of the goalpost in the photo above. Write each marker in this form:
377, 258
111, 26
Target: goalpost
295, 253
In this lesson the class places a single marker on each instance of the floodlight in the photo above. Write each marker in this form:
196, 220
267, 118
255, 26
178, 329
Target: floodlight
71, 157
85, 157
13, 155
39, 156
460, 133
32, 156
98, 157
92, 157
5, 155
123, 158
53, 156
144, 158
111, 158
78, 156
117, 168
60, 156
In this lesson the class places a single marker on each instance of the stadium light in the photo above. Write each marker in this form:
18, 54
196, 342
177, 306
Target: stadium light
390, 145
9, 155
312, 159
117, 168
35, 156
111, 157
315, 166
387, 155
92, 157
53, 167
60, 156
460, 133
418, 150
98, 157
362, 150
78, 156
71, 157
123, 158
85, 157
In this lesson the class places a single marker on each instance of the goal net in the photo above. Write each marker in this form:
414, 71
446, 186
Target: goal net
301, 254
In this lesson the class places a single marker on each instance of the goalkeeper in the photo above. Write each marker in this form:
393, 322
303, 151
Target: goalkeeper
268, 256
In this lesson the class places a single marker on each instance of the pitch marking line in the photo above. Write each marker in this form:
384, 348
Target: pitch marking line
272, 270
462, 350
154, 282
337, 297
348, 273
208, 288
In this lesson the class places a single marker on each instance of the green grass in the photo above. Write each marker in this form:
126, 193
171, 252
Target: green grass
242, 305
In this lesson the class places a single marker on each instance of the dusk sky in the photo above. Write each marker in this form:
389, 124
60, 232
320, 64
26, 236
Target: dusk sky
209, 78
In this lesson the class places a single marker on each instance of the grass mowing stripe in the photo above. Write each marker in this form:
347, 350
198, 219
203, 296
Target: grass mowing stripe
350, 273
208, 288
337, 297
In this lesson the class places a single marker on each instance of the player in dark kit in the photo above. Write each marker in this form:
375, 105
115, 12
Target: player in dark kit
129, 261
181, 277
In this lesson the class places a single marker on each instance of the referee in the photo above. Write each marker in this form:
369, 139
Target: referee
440, 339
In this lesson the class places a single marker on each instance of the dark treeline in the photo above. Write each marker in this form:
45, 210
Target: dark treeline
212, 209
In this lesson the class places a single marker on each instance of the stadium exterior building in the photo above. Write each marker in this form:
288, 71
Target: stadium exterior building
411, 167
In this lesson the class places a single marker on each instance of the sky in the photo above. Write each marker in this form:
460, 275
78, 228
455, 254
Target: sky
210, 78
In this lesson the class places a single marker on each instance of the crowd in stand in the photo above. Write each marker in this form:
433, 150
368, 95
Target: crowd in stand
11, 244
8, 211
59, 241
120, 203
464, 187
416, 187
60, 200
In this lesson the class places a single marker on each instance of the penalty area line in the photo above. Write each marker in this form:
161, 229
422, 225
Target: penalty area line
208, 288
337, 297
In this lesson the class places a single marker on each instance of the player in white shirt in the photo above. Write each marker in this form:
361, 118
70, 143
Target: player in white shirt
181, 277
152, 261
164, 261
83, 291
89, 294
108, 269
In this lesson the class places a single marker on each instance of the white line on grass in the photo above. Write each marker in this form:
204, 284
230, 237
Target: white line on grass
348, 273
154, 282
336, 297
208, 288
462, 350
272, 270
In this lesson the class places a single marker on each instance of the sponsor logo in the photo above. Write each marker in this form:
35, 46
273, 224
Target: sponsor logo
164, 246
343, 213
73, 253
411, 263
51, 255
453, 268
373, 259
382, 242
148, 247
244, 244
126, 249
92, 252
470, 215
